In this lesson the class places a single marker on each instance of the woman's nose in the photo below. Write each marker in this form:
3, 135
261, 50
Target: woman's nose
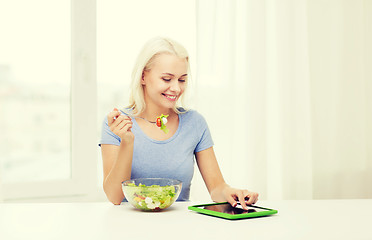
175, 86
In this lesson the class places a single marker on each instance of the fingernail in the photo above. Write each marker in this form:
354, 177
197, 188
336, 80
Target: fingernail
115, 109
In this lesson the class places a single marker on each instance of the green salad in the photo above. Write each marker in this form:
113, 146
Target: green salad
152, 197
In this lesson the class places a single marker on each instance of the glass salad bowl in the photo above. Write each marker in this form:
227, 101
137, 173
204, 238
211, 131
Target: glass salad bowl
151, 194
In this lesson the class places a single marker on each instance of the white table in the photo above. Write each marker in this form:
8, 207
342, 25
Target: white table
313, 219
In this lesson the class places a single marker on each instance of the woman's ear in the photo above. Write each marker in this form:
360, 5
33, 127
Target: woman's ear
143, 78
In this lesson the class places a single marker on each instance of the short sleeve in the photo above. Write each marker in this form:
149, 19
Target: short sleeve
205, 141
107, 136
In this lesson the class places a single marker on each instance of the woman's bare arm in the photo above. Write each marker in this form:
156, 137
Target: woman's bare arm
216, 185
117, 160
117, 165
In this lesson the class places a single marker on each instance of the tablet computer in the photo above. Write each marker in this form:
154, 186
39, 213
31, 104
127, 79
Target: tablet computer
225, 210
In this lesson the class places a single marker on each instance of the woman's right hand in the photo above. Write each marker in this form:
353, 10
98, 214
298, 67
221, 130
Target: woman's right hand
120, 125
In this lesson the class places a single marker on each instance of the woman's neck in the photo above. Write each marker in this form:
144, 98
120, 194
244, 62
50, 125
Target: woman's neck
153, 113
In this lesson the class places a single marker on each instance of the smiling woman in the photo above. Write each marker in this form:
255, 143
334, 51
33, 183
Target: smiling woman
165, 67
134, 149
156, 79
119, 41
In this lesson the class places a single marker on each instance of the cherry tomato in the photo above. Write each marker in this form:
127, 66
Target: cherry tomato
158, 122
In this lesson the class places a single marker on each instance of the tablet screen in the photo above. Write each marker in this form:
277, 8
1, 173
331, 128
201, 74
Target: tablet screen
227, 208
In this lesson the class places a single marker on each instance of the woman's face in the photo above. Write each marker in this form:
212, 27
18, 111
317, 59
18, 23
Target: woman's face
165, 82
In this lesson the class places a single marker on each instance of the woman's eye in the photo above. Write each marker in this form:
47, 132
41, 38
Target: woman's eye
182, 80
166, 79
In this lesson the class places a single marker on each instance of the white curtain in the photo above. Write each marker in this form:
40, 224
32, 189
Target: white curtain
1, 184
285, 87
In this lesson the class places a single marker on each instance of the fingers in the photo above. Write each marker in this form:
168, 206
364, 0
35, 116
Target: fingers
127, 127
231, 200
121, 122
252, 198
112, 116
118, 122
241, 195
245, 198
232, 195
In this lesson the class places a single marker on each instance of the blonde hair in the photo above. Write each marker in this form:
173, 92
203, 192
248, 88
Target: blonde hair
153, 48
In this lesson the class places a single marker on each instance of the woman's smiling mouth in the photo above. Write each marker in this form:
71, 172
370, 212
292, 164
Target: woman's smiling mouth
170, 97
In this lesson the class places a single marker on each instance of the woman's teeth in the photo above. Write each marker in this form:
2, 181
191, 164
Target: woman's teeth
171, 97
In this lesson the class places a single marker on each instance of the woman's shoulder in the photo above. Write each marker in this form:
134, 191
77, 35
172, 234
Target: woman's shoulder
127, 111
193, 122
191, 114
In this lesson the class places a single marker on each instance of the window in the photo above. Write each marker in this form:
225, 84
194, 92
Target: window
35, 90
47, 82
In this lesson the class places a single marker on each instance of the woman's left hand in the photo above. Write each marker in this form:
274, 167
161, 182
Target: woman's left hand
232, 195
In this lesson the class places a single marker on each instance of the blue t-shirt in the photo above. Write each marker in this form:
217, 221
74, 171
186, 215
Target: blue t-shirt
171, 158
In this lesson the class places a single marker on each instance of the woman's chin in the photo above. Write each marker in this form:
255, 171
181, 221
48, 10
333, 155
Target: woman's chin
169, 104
